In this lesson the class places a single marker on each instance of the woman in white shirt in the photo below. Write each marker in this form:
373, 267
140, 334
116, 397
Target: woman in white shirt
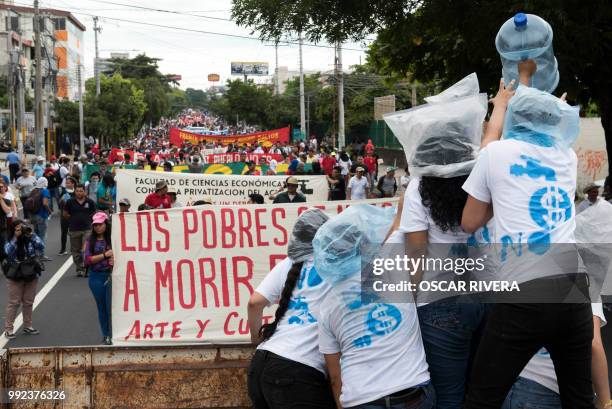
287, 370
372, 348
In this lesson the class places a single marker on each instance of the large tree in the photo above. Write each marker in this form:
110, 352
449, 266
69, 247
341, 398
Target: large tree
445, 40
116, 114
67, 116
144, 73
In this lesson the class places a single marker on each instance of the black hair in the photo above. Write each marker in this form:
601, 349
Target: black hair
108, 180
256, 198
142, 207
200, 203
267, 330
79, 186
445, 199
93, 237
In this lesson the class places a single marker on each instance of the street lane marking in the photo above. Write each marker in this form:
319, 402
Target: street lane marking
40, 296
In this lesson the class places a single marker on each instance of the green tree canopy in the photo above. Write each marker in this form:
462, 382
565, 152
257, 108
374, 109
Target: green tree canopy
67, 115
116, 114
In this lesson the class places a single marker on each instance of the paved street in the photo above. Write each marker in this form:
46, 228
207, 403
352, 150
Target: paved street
67, 315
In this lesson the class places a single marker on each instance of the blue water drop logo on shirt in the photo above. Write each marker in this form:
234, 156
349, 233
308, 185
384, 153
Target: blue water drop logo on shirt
310, 276
533, 169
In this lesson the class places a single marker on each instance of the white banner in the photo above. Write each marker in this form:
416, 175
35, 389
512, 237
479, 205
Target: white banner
222, 189
185, 275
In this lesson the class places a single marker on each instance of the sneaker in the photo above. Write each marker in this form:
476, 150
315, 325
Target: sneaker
9, 334
45, 258
62, 253
79, 274
31, 331
107, 341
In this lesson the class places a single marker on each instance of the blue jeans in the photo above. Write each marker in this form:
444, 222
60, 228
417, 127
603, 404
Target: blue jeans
428, 401
54, 192
527, 394
448, 327
100, 286
40, 227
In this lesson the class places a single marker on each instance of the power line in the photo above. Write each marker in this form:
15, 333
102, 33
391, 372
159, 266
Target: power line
161, 10
203, 31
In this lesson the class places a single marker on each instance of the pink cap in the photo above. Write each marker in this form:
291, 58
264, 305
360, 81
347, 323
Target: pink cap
99, 218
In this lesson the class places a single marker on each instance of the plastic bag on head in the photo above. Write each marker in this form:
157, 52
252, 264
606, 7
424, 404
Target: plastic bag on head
306, 226
349, 239
426, 130
466, 87
541, 118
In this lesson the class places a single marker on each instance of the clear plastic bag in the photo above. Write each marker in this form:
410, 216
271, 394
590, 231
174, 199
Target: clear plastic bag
594, 240
441, 139
541, 118
306, 226
466, 87
350, 240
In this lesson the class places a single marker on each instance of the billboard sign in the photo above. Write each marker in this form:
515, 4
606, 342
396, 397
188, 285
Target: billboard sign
249, 68
213, 77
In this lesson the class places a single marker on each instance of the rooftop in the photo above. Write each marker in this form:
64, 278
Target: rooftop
55, 12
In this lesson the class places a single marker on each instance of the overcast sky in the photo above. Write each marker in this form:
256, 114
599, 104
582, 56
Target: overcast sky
192, 55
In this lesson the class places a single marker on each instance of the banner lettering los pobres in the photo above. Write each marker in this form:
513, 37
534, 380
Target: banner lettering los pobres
266, 138
135, 185
185, 275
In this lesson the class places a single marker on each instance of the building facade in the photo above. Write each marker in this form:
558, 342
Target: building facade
62, 48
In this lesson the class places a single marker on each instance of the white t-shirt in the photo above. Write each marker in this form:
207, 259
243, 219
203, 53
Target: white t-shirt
585, 204
358, 187
296, 336
11, 197
380, 345
63, 171
532, 189
345, 165
26, 185
541, 369
416, 217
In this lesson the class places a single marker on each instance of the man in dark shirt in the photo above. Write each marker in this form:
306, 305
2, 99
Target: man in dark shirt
78, 211
291, 195
337, 186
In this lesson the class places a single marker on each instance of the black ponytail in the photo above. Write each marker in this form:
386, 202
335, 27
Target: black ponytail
267, 330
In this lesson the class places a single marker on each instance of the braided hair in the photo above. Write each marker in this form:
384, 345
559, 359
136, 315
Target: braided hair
267, 330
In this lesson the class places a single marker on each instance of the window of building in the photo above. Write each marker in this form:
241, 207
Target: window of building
59, 23
12, 23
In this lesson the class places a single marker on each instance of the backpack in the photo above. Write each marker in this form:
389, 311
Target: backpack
33, 203
54, 179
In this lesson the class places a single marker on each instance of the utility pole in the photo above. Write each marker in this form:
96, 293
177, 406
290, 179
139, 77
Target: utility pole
302, 108
81, 125
39, 145
307, 116
97, 29
340, 79
20, 99
21, 126
277, 85
11, 79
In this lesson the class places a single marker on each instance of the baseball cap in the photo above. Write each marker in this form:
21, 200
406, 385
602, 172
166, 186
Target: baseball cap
360, 169
207, 199
125, 201
160, 185
292, 181
590, 187
99, 217
40, 159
